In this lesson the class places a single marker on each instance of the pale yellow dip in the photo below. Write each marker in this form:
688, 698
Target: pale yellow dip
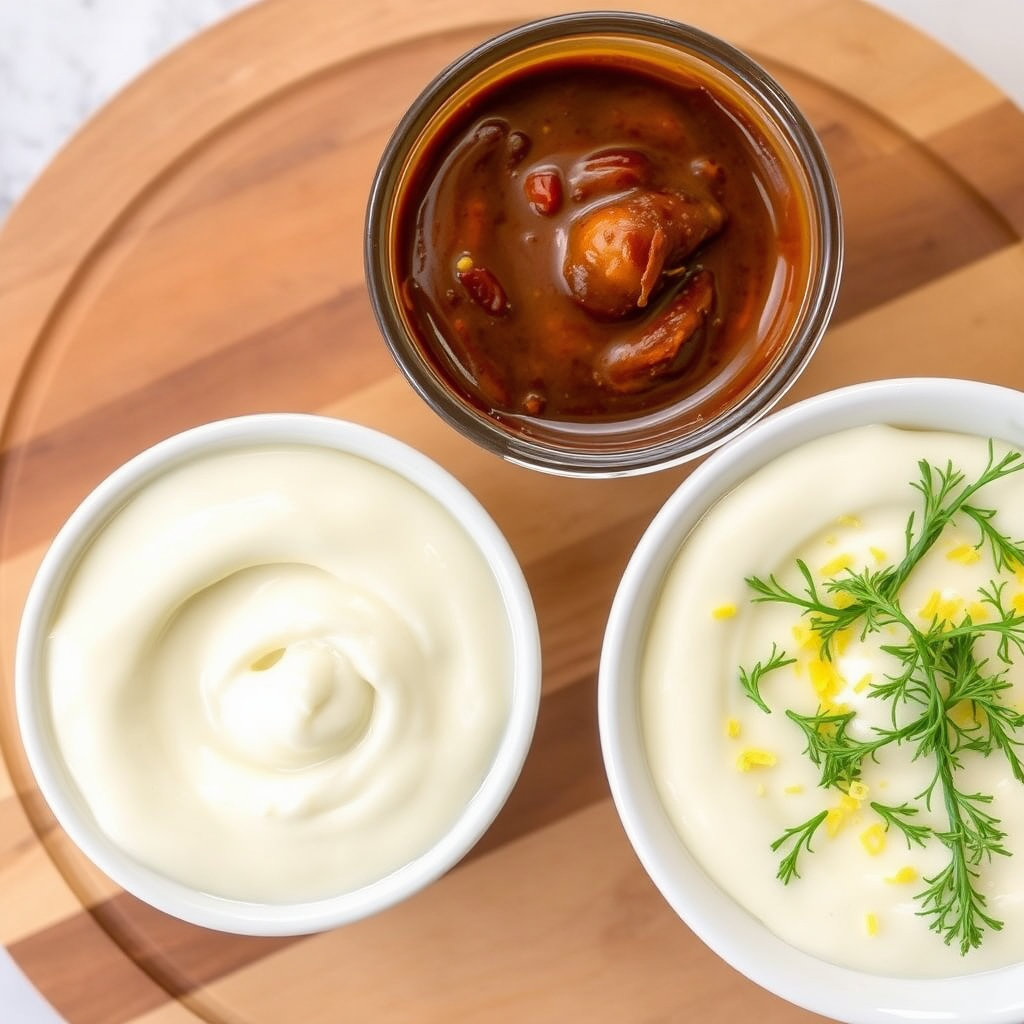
842, 500
279, 674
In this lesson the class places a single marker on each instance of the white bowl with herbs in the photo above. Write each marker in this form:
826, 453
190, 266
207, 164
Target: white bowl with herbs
811, 698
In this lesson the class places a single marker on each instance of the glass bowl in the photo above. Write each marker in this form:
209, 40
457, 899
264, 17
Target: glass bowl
783, 335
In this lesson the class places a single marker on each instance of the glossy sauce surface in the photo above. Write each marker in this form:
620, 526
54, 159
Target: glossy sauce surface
587, 241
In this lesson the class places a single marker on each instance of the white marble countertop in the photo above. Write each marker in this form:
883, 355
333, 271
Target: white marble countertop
60, 60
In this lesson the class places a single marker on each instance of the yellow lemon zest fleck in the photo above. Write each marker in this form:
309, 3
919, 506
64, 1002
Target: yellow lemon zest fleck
822, 673
824, 677
841, 601
977, 611
804, 637
943, 609
967, 714
842, 640
1018, 603
838, 816
754, 758
732, 728
966, 554
837, 565
902, 877
794, 789
879, 555
863, 683
873, 839
464, 264
858, 790
850, 521
835, 820
871, 924
723, 611
826, 680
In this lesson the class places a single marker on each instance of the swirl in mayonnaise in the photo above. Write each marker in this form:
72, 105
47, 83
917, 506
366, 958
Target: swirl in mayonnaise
279, 674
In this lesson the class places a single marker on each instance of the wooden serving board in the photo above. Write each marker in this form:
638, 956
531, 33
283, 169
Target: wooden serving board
195, 252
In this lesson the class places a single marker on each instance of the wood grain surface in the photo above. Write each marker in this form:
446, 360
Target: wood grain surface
195, 252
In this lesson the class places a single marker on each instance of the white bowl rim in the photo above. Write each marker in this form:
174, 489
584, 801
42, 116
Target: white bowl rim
300, 429
992, 997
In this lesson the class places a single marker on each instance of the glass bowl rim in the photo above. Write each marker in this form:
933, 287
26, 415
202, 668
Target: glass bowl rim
823, 280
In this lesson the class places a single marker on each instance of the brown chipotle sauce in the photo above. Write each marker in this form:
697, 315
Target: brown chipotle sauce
587, 241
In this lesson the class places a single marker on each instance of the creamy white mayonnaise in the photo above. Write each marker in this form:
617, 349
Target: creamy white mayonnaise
841, 500
278, 674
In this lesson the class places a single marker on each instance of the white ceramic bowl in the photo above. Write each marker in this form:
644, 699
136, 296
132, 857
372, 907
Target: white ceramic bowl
995, 997
270, 918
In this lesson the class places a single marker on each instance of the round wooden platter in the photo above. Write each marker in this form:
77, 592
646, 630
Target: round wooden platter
195, 252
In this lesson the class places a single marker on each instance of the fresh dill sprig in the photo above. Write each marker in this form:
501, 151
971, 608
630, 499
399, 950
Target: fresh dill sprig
955, 905
825, 619
1006, 553
940, 677
899, 817
803, 834
751, 681
830, 748
941, 503
952, 900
